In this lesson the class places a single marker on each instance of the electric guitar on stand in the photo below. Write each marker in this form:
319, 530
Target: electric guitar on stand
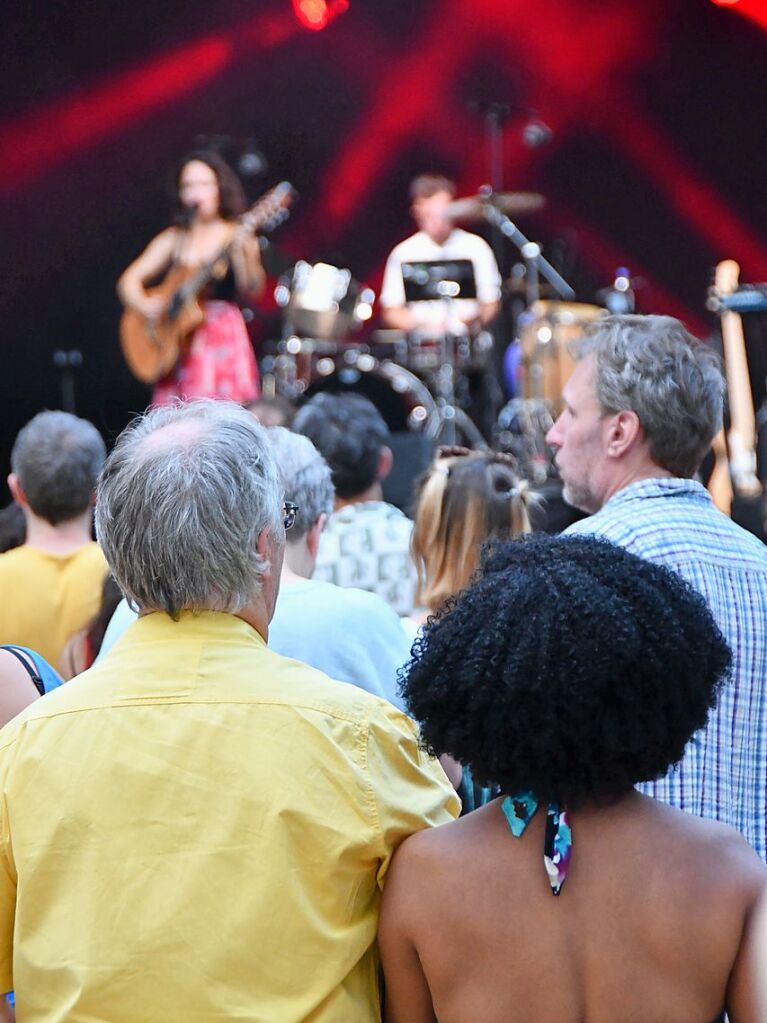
152, 347
741, 435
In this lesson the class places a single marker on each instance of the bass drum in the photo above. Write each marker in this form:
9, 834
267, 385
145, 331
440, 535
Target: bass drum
401, 398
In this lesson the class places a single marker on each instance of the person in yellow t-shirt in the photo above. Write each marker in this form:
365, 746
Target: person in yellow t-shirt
211, 823
50, 586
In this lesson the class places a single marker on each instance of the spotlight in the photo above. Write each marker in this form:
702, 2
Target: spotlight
318, 14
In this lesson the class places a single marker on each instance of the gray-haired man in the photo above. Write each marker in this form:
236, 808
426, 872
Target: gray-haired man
350, 634
640, 411
211, 822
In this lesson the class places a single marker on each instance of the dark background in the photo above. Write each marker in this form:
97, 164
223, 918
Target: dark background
657, 162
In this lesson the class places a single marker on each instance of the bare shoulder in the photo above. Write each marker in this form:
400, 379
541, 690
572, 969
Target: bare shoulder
714, 854
436, 850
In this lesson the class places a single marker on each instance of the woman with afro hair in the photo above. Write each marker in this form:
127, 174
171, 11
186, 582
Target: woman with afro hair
566, 673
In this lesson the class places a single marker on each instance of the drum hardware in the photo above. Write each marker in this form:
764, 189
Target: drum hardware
403, 400
323, 301
296, 364
619, 299
450, 418
521, 430
439, 354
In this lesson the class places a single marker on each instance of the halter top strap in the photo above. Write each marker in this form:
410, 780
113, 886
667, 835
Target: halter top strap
558, 844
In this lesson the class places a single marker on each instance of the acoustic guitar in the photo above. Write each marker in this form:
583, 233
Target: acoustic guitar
741, 436
152, 347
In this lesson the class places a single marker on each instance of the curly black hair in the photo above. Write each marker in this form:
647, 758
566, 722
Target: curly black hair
569, 668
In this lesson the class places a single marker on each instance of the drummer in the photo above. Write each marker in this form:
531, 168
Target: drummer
436, 239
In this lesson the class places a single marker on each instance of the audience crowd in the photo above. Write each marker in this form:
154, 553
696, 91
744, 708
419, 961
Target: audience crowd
277, 750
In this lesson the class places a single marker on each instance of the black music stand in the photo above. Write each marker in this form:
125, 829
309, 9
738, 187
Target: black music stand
439, 280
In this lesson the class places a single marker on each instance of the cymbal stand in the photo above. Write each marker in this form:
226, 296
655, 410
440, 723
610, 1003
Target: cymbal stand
536, 263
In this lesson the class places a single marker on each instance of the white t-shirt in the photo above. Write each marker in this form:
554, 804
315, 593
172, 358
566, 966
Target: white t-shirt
420, 248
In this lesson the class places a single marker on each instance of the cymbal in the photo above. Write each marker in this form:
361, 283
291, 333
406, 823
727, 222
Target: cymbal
471, 207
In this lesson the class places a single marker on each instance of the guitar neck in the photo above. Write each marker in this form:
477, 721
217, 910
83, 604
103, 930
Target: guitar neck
270, 208
191, 288
742, 433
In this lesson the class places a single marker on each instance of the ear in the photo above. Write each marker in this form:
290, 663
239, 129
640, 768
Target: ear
262, 544
313, 536
624, 433
385, 462
15, 488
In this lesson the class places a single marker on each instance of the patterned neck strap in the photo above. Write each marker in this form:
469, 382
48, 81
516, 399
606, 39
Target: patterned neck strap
558, 846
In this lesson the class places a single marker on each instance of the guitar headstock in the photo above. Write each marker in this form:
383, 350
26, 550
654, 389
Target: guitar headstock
270, 210
726, 277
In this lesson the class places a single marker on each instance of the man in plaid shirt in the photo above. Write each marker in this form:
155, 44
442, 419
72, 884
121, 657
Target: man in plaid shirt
639, 413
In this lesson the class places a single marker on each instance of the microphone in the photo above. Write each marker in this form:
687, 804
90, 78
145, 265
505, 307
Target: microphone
535, 133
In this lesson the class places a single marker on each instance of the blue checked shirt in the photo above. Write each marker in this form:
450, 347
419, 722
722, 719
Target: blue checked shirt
723, 773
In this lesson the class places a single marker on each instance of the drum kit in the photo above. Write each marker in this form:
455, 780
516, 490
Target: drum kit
418, 380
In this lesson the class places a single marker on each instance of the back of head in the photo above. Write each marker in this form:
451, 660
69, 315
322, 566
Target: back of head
57, 458
653, 366
274, 410
570, 668
182, 500
426, 185
13, 527
462, 502
349, 432
305, 478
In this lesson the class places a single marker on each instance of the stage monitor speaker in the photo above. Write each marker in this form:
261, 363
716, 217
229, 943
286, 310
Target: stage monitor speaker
412, 455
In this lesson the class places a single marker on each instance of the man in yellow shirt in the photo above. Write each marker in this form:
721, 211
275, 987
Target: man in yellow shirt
198, 828
50, 587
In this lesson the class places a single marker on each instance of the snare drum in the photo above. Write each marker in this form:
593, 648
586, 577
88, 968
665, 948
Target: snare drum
323, 301
402, 399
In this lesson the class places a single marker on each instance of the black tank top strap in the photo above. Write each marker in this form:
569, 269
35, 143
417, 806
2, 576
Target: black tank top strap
28, 664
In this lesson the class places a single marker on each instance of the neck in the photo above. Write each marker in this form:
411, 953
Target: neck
645, 470
257, 616
440, 237
297, 565
60, 539
373, 493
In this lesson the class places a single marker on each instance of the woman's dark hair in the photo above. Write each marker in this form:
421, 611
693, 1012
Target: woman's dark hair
231, 197
569, 668
111, 595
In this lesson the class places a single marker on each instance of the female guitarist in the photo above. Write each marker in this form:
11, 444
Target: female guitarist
217, 360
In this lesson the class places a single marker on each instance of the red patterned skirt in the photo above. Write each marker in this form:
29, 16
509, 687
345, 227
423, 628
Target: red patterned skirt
220, 362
